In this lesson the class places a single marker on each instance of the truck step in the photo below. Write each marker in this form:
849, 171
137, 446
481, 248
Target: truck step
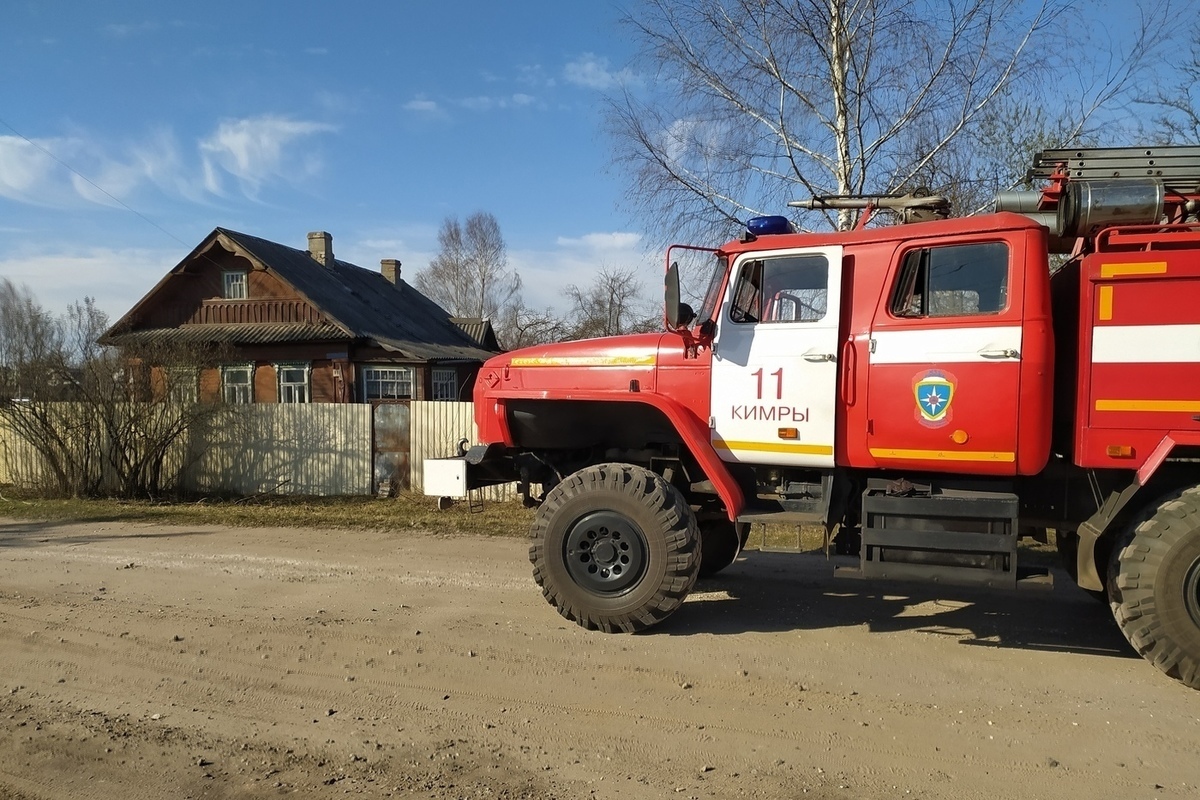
939, 533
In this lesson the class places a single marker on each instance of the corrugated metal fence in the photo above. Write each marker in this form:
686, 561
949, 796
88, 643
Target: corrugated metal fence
313, 449
436, 428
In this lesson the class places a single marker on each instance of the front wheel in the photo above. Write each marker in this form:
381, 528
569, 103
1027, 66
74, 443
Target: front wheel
1154, 586
615, 548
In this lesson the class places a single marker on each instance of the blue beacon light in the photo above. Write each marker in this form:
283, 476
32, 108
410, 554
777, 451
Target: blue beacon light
769, 226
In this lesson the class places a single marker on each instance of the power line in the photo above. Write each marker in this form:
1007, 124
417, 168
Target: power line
91, 182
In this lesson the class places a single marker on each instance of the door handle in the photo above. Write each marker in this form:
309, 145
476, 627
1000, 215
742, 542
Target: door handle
818, 358
1009, 353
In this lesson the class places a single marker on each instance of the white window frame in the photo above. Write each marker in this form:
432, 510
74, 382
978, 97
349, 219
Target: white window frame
292, 391
382, 376
233, 393
235, 284
183, 384
444, 383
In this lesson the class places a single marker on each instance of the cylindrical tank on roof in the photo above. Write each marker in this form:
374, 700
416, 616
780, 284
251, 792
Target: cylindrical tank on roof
1088, 206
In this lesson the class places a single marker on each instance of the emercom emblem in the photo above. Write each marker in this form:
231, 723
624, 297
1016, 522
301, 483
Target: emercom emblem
934, 393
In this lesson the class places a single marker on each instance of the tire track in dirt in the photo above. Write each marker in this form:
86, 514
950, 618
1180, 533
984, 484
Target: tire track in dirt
263, 695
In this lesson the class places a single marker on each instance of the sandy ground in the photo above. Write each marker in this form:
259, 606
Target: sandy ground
204, 662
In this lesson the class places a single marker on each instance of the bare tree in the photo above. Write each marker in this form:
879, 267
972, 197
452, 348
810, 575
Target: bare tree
91, 419
1177, 99
758, 102
523, 326
469, 277
610, 305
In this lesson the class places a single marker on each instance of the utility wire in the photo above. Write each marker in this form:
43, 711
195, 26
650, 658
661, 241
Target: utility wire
91, 182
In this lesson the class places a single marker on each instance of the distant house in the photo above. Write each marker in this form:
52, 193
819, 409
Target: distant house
299, 326
480, 330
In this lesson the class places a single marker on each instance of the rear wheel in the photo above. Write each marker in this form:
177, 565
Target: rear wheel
615, 548
1154, 585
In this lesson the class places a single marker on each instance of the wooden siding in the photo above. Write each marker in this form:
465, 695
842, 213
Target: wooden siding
266, 387
195, 295
220, 311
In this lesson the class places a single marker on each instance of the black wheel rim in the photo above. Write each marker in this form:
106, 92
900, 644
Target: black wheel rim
605, 553
1191, 592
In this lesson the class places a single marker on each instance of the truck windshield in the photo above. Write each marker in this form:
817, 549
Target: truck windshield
712, 295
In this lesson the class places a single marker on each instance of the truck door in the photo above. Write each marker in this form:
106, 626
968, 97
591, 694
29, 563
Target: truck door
774, 370
945, 360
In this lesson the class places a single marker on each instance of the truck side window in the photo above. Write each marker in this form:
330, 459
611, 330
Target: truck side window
783, 289
954, 281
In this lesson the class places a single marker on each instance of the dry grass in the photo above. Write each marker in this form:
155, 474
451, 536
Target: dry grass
349, 513
407, 511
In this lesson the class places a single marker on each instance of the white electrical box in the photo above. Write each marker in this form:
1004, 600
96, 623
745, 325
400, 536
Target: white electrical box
445, 477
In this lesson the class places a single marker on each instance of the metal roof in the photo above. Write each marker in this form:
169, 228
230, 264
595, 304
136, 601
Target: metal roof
245, 333
480, 330
360, 303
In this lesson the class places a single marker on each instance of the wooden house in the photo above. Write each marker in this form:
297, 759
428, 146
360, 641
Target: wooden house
300, 326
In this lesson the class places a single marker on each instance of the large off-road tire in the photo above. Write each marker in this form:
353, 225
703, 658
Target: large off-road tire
721, 541
615, 548
1154, 585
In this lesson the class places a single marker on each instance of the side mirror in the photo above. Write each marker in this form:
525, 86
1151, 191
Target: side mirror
671, 305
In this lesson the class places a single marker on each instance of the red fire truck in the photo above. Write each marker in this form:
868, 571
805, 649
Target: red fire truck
930, 391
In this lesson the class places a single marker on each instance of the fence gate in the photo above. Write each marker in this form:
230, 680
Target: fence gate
390, 446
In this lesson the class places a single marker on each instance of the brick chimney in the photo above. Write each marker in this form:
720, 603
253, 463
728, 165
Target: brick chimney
320, 247
390, 268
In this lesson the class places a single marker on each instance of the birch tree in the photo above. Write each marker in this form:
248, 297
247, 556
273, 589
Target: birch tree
752, 103
470, 277
609, 306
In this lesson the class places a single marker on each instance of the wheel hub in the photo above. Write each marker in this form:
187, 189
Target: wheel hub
1191, 592
605, 552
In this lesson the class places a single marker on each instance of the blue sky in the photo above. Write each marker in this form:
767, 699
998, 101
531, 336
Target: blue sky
371, 120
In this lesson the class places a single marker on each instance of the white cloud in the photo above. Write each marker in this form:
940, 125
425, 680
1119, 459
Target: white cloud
258, 150
130, 28
546, 273
499, 102
602, 242
28, 172
422, 105
116, 278
62, 172
534, 75
593, 72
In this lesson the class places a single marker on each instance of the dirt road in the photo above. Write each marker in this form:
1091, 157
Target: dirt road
142, 662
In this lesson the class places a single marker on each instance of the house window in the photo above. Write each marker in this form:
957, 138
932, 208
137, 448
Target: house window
293, 383
237, 383
387, 383
962, 280
182, 384
235, 285
445, 384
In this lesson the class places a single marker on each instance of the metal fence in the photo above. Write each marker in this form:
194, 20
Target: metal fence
311, 449
436, 428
